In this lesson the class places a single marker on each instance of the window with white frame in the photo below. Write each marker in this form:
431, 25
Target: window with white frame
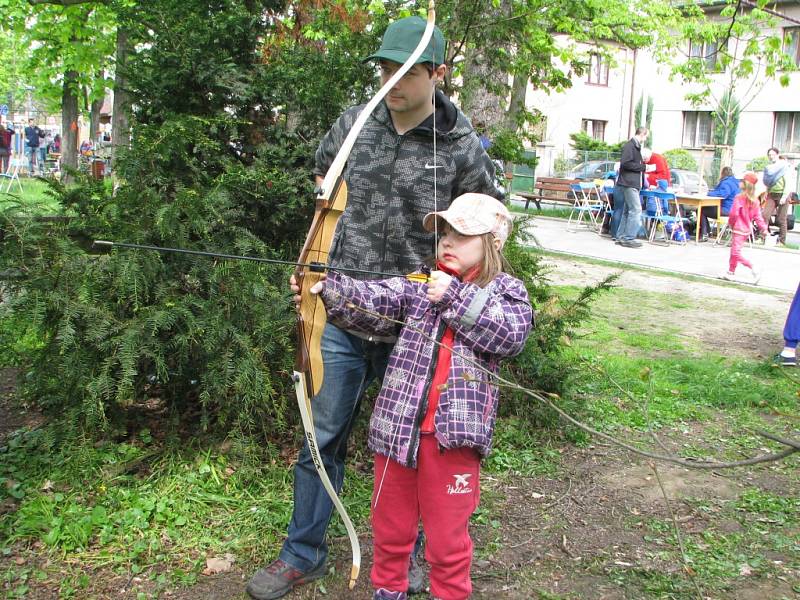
598, 70
708, 52
787, 131
594, 128
697, 128
791, 38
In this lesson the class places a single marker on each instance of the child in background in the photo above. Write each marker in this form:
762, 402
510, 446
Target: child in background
434, 417
745, 210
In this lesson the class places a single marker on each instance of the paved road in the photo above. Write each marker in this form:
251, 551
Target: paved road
780, 267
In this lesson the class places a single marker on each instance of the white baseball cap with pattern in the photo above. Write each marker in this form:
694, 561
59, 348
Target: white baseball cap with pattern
474, 214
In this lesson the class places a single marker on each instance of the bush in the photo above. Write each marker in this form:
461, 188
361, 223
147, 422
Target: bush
542, 365
680, 159
583, 142
757, 164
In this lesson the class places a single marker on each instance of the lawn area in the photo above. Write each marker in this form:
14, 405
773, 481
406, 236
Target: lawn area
34, 198
563, 516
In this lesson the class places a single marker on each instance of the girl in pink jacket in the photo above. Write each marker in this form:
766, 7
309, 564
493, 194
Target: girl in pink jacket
744, 211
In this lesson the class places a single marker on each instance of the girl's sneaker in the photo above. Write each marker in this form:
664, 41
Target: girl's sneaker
727, 276
756, 275
384, 594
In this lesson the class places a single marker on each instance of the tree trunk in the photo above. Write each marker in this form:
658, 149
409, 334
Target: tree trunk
120, 125
69, 122
481, 98
484, 94
94, 119
516, 105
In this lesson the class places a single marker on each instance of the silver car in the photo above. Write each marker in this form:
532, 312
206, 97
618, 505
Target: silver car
689, 181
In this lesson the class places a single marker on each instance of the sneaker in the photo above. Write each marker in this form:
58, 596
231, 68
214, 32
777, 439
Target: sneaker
631, 244
756, 275
727, 276
416, 576
784, 361
279, 578
384, 594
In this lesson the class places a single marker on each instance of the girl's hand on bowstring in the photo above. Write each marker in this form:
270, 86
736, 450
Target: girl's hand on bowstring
438, 283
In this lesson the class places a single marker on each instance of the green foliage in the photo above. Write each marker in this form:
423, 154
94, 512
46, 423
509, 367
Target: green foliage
583, 142
508, 147
544, 364
759, 163
679, 158
744, 44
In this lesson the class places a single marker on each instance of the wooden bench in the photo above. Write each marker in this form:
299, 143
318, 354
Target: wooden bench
550, 189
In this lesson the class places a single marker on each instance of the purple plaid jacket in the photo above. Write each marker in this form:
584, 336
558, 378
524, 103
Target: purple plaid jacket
489, 323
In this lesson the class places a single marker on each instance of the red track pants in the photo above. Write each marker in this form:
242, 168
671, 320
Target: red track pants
444, 491
736, 253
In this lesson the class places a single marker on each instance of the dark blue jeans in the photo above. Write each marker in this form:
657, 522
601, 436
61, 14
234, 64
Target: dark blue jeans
351, 364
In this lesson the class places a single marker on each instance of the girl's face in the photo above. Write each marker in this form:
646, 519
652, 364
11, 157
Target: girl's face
459, 252
772, 155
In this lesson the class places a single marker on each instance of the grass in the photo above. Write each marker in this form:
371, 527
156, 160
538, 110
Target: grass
34, 198
154, 507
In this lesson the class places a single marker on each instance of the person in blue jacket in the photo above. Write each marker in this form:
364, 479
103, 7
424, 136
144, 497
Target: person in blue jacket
727, 188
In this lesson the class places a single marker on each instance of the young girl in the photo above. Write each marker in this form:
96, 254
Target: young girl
434, 417
744, 211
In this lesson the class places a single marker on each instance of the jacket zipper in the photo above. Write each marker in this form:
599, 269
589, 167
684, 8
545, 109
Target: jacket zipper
415, 431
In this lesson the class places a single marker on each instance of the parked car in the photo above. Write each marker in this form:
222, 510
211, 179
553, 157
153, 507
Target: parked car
591, 169
688, 181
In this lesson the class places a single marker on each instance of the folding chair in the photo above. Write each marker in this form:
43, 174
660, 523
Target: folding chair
12, 175
657, 213
586, 202
724, 233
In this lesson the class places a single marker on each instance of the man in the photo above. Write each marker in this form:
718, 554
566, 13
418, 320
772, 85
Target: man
777, 196
390, 175
661, 171
31, 145
629, 182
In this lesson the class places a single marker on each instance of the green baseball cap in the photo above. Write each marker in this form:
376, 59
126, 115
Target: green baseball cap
402, 36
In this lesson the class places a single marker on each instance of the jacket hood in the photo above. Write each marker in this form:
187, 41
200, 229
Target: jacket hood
449, 120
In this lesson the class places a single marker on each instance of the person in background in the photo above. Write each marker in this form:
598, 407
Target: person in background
432, 424
727, 188
791, 334
57, 143
778, 192
661, 171
31, 145
745, 210
5, 149
631, 180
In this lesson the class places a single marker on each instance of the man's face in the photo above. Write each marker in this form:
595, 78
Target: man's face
414, 89
641, 137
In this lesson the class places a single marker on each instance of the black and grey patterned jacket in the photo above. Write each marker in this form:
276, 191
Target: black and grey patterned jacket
390, 183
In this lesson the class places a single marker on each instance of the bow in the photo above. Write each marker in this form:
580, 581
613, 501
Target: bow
311, 317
